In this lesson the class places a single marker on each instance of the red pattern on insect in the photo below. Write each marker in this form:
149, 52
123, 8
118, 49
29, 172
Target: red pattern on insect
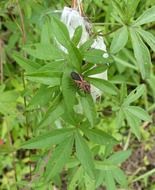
81, 83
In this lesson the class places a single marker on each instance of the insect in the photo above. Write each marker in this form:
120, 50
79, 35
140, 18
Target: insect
81, 83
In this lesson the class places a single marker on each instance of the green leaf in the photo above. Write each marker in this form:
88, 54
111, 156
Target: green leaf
89, 109
95, 56
104, 166
84, 155
119, 118
124, 62
139, 112
141, 53
68, 90
77, 35
59, 158
8, 101
44, 51
134, 95
120, 39
61, 33
103, 85
89, 183
120, 177
147, 37
53, 66
47, 78
41, 98
45, 33
132, 6
118, 9
26, 64
87, 45
54, 112
99, 136
96, 70
133, 122
146, 17
73, 183
109, 181
123, 92
119, 157
48, 139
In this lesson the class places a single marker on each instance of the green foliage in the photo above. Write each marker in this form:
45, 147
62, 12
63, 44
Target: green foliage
45, 113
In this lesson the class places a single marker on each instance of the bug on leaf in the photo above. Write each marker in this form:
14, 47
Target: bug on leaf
80, 82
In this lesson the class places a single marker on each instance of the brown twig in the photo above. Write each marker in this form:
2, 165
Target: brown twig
77, 5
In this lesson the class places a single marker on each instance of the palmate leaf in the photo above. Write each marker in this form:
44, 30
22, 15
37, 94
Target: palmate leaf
120, 118
120, 177
48, 139
103, 85
47, 77
77, 35
133, 122
118, 157
96, 70
134, 95
68, 90
86, 46
131, 7
59, 158
124, 62
73, 183
89, 109
109, 170
42, 97
138, 112
95, 56
99, 137
45, 33
27, 65
109, 181
53, 66
120, 39
84, 155
44, 51
53, 113
118, 9
148, 37
60, 31
141, 53
146, 17
89, 183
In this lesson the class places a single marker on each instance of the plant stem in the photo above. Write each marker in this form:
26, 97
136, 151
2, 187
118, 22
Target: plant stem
147, 174
23, 32
1, 60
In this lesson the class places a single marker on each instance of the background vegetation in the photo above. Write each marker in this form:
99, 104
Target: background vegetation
44, 142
